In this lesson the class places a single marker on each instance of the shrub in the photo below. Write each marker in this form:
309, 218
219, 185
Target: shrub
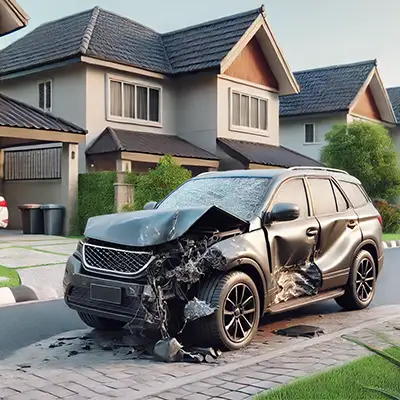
128, 207
160, 181
366, 151
131, 178
390, 214
95, 197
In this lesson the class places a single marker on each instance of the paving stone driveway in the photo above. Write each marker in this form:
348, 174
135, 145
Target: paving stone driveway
104, 373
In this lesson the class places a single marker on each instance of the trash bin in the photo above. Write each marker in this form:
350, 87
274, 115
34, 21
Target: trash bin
32, 219
53, 215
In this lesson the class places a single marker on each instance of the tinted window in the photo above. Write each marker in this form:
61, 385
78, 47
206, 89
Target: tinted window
322, 195
341, 202
354, 193
293, 191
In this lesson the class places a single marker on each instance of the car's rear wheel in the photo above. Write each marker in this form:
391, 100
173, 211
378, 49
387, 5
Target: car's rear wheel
101, 324
235, 322
360, 288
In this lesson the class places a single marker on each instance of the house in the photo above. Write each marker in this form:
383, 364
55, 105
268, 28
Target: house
207, 94
330, 95
28, 176
394, 96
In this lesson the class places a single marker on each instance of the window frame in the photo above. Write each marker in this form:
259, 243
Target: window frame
43, 82
336, 185
360, 188
248, 129
321, 177
135, 83
314, 134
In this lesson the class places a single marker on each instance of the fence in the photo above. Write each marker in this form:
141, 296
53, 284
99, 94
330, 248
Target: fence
32, 164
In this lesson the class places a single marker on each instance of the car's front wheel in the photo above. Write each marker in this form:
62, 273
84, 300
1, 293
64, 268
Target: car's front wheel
235, 322
101, 324
360, 288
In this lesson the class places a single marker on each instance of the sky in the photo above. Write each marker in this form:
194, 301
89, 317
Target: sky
311, 33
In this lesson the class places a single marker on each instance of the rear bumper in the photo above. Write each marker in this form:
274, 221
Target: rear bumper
77, 296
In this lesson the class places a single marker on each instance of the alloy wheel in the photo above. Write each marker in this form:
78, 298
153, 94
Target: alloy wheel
365, 280
239, 312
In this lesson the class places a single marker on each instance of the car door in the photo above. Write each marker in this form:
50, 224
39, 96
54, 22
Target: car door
292, 242
340, 231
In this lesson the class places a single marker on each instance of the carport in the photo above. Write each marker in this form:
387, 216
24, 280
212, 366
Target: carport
32, 174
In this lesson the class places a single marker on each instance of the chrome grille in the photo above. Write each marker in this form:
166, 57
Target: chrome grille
112, 261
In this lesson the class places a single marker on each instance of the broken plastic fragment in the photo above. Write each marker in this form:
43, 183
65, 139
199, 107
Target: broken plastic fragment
167, 350
196, 309
300, 330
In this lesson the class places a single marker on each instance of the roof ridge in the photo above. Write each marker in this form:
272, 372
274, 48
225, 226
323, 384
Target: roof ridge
40, 111
260, 10
63, 18
337, 66
87, 36
115, 137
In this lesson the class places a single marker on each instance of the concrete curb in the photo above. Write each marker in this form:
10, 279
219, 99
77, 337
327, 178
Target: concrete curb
17, 294
391, 244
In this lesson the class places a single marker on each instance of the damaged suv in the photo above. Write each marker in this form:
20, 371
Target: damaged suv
224, 249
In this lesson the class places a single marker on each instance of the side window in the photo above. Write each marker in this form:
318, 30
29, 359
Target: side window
293, 191
322, 195
354, 193
341, 202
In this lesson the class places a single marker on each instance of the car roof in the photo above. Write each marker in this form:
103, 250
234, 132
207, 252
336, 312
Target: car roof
280, 173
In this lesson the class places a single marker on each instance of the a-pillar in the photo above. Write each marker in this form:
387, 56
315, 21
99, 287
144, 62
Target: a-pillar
69, 182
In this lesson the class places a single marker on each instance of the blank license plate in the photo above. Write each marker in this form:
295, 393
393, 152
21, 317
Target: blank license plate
107, 294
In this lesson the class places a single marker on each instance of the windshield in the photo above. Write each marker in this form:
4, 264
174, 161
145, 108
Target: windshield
242, 196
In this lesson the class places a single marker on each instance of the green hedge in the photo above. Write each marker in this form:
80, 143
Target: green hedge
95, 197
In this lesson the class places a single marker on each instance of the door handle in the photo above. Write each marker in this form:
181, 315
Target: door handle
352, 224
311, 231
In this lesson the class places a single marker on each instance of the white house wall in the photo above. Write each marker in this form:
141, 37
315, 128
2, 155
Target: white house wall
292, 133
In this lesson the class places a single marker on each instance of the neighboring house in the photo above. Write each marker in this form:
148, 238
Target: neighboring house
330, 95
207, 94
394, 95
26, 176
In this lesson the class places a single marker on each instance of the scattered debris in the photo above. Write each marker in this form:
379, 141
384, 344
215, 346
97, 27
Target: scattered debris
196, 309
300, 330
86, 347
72, 353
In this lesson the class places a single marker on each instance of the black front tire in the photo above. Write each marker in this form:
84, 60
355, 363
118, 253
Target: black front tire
212, 330
101, 324
355, 298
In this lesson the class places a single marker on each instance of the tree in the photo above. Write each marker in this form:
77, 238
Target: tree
160, 181
366, 151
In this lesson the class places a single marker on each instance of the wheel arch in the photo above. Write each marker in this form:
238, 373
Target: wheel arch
370, 246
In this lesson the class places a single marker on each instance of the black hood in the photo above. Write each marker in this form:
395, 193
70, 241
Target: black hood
153, 227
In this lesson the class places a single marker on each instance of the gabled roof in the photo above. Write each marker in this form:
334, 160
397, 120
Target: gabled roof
326, 89
265, 154
113, 140
16, 114
394, 96
102, 34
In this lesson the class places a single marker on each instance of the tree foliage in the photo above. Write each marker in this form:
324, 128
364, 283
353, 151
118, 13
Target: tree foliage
366, 151
160, 181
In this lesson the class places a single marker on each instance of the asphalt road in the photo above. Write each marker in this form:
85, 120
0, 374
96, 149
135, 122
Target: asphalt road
24, 324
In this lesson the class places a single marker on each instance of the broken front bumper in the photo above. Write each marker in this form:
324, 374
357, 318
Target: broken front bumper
105, 298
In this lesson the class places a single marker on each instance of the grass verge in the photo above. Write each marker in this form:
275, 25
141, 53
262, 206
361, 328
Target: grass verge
391, 236
13, 277
347, 382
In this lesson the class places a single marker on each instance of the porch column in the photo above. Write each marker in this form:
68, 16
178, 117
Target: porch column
123, 192
69, 182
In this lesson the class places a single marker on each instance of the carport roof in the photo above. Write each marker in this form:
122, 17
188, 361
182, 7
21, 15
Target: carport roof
16, 114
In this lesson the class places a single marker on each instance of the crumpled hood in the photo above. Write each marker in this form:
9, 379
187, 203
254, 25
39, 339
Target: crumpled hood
152, 227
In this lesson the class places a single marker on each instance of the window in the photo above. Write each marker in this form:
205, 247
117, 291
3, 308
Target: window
134, 102
293, 191
45, 93
322, 195
249, 112
309, 133
354, 193
341, 202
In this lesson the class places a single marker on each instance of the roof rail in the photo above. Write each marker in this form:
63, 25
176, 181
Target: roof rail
340, 171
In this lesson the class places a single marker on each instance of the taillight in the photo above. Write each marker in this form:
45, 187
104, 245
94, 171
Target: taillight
380, 219
3, 203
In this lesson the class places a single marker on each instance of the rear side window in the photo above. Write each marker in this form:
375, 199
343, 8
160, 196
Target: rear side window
341, 202
354, 193
293, 191
322, 195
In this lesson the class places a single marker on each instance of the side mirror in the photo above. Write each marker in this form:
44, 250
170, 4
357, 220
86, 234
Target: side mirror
151, 205
282, 212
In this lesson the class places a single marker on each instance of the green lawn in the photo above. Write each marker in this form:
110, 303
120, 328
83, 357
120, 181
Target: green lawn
391, 236
344, 383
13, 277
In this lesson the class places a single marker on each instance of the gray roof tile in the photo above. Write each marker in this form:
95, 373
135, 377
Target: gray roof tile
264, 154
102, 34
394, 96
111, 140
16, 114
326, 89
